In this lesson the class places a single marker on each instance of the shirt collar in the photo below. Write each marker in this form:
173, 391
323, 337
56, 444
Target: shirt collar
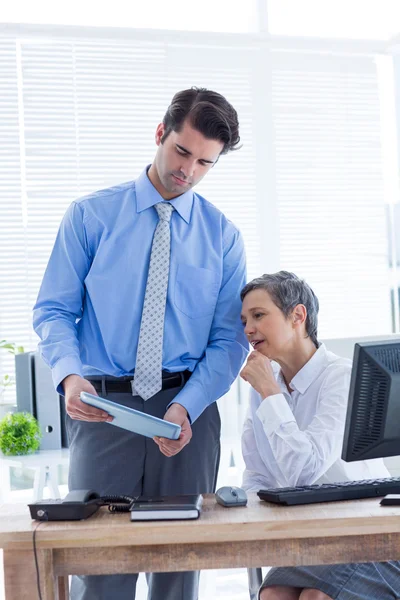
147, 196
309, 373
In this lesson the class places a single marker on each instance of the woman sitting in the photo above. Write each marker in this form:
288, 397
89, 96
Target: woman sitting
293, 432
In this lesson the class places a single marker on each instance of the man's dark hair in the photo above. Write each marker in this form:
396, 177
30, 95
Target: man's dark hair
208, 112
287, 291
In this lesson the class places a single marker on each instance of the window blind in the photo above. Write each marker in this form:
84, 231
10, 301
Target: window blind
78, 113
330, 186
14, 295
83, 117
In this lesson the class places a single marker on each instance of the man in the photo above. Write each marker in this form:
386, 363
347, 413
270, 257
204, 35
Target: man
140, 304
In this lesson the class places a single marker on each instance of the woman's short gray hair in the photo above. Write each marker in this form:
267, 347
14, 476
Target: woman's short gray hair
287, 291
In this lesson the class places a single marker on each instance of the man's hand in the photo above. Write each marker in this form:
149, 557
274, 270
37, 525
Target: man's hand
258, 372
73, 385
176, 414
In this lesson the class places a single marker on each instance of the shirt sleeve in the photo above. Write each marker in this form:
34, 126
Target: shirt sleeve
227, 345
59, 303
303, 456
255, 475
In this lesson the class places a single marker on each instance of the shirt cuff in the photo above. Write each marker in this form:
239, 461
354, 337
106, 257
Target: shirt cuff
69, 365
273, 412
192, 399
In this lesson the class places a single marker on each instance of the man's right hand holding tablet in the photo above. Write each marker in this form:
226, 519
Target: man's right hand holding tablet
73, 385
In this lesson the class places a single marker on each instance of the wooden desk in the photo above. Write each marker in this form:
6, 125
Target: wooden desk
252, 536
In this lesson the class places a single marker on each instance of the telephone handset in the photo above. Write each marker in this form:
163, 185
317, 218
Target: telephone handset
78, 504
81, 496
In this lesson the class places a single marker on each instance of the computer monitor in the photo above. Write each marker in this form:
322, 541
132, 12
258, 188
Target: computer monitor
36, 394
372, 427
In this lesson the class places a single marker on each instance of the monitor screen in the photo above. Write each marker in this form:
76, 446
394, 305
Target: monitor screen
372, 427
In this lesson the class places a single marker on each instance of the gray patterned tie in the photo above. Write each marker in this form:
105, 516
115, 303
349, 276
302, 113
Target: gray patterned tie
148, 369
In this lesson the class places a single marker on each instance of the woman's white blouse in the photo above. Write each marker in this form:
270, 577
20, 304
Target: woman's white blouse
296, 438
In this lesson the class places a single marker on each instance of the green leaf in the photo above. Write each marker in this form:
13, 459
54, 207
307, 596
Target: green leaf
9, 346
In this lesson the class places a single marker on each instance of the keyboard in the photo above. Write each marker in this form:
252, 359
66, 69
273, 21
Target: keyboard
331, 492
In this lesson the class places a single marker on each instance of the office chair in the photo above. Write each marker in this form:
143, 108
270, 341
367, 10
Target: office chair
255, 580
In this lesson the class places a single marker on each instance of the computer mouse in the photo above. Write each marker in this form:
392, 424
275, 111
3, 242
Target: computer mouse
231, 496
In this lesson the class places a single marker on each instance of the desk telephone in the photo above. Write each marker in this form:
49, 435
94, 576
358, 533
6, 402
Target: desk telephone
79, 504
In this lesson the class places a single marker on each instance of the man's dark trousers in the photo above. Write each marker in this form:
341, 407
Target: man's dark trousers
111, 460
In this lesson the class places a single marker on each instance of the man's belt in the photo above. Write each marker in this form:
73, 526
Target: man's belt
106, 384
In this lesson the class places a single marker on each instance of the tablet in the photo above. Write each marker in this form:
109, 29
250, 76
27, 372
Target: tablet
133, 420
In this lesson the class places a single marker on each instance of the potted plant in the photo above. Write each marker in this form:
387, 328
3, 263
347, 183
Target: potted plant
19, 434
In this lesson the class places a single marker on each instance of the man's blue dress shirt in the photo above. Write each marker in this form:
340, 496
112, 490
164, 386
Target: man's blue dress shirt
89, 307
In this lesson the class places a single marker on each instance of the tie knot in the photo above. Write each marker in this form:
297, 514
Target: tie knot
164, 210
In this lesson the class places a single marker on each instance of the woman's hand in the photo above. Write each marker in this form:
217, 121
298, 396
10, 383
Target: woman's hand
259, 374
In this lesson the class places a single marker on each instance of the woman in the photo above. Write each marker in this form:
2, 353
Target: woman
294, 429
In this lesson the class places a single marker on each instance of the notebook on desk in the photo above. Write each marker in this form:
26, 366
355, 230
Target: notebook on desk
166, 508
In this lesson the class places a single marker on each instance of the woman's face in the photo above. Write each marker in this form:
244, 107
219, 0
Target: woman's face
266, 327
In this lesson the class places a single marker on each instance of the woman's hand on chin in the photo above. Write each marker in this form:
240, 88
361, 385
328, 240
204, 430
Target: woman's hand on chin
259, 374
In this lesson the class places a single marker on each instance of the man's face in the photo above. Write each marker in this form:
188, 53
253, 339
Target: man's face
182, 160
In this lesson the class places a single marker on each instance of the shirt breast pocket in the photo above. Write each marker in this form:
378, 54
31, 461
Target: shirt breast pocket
196, 291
